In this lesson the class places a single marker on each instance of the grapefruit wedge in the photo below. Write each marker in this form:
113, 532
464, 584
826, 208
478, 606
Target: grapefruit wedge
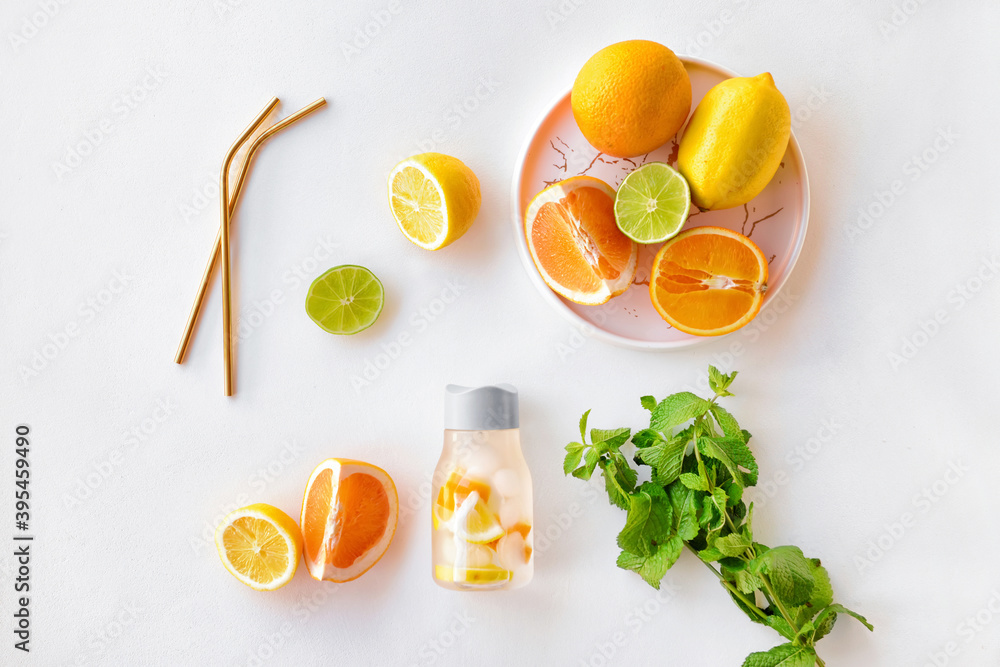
576, 245
349, 514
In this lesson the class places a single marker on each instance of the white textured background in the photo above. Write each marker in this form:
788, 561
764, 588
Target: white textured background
122, 572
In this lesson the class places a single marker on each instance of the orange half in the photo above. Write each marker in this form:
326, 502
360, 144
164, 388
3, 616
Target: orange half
349, 515
576, 245
708, 281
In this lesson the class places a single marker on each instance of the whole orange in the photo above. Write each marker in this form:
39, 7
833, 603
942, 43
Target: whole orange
631, 97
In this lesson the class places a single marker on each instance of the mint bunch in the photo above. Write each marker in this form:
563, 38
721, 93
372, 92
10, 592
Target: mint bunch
700, 465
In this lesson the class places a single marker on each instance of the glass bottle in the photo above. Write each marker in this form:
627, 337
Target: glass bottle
481, 516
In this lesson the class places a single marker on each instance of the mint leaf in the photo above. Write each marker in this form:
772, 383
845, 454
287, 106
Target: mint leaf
617, 497
789, 573
831, 614
648, 522
684, 515
734, 454
710, 555
574, 453
619, 479
654, 567
721, 498
609, 440
781, 626
747, 581
823, 626
719, 382
733, 544
734, 491
826, 619
666, 458
671, 550
676, 409
715, 378
821, 597
625, 474
694, 482
647, 438
784, 655
590, 459
730, 427
804, 637
583, 426
711, 517
648, 402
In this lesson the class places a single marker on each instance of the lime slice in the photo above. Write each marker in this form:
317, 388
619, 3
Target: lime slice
345, 300
652, 203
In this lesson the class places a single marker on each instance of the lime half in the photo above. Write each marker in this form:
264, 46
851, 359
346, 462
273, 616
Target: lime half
345, 300
652, 203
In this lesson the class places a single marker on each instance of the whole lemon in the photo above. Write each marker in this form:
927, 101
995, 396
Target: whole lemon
631, 97
735, 141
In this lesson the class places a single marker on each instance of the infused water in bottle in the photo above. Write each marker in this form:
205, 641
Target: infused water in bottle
481, 517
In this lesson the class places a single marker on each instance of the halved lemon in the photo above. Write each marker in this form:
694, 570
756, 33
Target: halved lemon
708, 281
434, 198
576, 245
349, 515
260, 545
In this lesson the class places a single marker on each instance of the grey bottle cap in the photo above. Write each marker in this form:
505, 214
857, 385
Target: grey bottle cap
491, 408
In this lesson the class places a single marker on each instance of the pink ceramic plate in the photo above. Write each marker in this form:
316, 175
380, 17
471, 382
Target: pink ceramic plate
776, 219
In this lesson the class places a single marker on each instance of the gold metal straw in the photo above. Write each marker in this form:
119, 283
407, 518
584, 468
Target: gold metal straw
227, 301
206, 276
233, 202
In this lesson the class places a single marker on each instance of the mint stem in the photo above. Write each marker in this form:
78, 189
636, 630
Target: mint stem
732, 589
708, 482
784, 613
781, 607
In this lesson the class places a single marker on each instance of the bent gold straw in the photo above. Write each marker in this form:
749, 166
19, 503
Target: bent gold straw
227, 303
233, 201
210, 267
